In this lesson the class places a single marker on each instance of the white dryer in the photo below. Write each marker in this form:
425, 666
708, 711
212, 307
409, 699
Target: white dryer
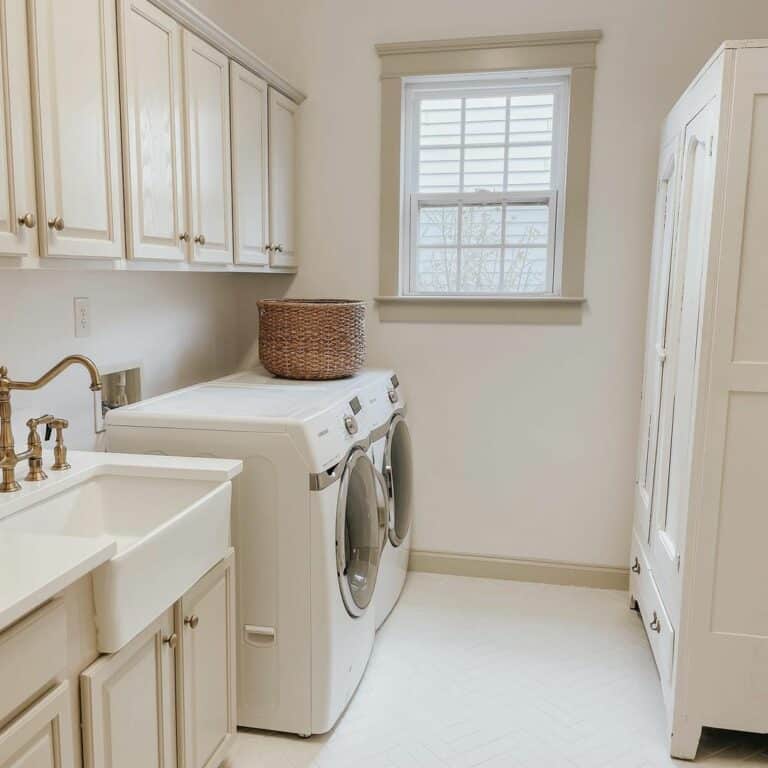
309, 520
393, 457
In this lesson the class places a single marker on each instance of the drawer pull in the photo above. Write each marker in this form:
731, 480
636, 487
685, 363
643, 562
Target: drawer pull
655, 624
636, 566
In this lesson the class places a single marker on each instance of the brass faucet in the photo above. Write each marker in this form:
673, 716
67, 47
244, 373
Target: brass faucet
8, 456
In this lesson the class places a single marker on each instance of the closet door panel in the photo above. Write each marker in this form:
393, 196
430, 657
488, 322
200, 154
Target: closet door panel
151, 84
249, 166
657, 332
74, 60
282, 179
678, 395
18, 214
206, 83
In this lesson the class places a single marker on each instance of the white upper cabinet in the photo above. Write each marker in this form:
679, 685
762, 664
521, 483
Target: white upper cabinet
282, 179
248, 94
18, 212
206, 87
153, 151
75, 107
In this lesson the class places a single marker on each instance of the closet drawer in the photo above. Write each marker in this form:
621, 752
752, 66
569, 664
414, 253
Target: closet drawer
33, 654
658, 627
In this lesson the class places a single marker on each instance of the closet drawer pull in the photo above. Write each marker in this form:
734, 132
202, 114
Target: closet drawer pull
636, 566
655, 624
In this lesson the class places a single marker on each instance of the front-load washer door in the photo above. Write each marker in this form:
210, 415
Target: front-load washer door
360, 525
398, 471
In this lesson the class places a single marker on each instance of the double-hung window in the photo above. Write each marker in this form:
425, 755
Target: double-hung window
483, 183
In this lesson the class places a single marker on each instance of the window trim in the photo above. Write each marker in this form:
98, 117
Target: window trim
556, 82
571, 51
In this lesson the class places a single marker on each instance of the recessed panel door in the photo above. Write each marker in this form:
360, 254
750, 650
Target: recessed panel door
151, 87
658, 330
679, 390
249, 166
18, 212
206, 89
282, 180
75, 100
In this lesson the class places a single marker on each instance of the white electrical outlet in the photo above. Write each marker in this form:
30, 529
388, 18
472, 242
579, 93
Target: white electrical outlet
82, 317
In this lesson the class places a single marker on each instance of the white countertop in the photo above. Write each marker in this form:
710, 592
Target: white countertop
35, 567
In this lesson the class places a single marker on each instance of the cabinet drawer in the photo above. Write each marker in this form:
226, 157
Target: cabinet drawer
33, 653
658, 627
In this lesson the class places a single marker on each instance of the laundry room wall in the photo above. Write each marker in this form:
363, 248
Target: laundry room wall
181, 328
525, 435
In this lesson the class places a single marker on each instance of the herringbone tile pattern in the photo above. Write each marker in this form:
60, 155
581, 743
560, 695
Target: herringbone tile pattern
496, 674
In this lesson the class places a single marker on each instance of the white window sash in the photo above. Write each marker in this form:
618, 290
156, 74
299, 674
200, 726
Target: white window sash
423, 88
548, 197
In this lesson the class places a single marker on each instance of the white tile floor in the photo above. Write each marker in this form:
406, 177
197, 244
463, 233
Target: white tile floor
498, 674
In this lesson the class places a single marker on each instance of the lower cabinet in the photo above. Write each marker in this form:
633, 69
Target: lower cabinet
128, 704
42, 736
168, 697
206, 698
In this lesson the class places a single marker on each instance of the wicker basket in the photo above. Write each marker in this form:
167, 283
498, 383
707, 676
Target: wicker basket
312, 338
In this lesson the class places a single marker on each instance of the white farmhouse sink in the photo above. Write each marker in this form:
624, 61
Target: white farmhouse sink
169, 530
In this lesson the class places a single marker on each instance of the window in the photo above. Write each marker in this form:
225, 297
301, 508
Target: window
484, 166
485, 156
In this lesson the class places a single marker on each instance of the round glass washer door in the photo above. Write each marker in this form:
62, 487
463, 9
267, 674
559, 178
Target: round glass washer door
360, 523
398, 470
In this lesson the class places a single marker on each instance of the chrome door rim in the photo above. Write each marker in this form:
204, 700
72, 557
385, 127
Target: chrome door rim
357, 454
394, 539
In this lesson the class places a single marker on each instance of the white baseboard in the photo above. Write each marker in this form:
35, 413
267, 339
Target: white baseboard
541, 571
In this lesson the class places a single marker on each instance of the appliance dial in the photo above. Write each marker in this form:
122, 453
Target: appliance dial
350, 422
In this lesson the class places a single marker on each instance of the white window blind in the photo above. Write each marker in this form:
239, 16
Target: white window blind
483, 177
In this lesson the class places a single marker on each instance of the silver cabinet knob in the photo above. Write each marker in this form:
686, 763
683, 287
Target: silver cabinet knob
350, 422
27, 220
56, 223
636, 566
279, 247
184, 237
268, 247
192, 621
171, 641
655, 624
200, 239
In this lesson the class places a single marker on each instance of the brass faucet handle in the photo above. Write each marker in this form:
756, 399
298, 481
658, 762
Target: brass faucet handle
35, 449
59, 450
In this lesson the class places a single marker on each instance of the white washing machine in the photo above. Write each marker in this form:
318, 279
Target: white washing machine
384, 421
309, 517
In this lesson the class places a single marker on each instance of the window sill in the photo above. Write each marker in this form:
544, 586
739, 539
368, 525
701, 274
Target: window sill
532, 310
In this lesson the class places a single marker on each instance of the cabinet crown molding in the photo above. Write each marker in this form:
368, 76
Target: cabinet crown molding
191, 18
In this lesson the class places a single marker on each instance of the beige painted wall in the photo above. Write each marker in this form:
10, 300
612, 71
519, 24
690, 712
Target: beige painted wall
182, 328
525, 436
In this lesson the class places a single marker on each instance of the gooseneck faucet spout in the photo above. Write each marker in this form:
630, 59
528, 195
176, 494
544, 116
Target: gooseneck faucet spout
8, 456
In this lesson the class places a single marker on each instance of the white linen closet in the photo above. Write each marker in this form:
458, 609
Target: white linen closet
701, 523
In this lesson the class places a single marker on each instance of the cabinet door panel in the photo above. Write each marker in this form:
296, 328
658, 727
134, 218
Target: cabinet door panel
206, 622
249, 166
128, 703
206, 87
17, 168
151, 84
282, 179
41, 737
678, 398
657, 332
74, 57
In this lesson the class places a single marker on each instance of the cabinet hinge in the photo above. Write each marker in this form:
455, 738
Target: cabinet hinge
710, 146
677, 562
